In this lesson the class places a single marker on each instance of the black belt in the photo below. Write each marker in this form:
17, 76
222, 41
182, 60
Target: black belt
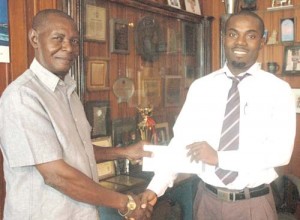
247, 193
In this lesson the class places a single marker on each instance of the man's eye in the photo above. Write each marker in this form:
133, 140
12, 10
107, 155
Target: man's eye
232, 35
75, 41
58, 38
251, 36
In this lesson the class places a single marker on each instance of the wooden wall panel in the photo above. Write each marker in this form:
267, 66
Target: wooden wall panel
130, 65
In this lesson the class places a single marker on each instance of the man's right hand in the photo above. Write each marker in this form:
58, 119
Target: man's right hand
143, 210
148, 197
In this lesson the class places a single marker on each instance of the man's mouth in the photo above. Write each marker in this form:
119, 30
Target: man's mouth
65, 59
238, 52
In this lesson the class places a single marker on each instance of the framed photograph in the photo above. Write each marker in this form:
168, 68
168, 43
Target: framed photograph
172, 90
119, 36
287, 30
189, 38
174, 3
190, 75
297, 99
149, 90
104, 169
95, 23
172, 37
162, 132
291, 60
97, 73
124, 131
193, 6
98, 115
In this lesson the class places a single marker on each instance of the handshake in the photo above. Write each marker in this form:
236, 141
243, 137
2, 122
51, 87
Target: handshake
139, 207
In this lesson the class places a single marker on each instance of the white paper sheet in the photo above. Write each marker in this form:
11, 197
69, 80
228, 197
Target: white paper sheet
173, 159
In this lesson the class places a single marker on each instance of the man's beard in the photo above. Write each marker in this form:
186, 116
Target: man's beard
238, 65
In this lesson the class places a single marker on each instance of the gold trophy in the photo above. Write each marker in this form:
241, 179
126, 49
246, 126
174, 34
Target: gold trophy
147, 125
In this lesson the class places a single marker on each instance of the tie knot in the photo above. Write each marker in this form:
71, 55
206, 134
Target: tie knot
237, 79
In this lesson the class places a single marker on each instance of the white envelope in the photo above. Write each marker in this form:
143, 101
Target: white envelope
169, 158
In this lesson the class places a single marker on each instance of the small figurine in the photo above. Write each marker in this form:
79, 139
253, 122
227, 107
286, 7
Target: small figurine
273, 38
249, 5
280, 3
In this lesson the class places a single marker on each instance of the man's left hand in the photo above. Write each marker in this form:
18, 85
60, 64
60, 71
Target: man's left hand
202, 151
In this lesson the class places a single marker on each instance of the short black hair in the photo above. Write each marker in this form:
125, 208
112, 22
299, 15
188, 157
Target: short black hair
251, 14
41, 17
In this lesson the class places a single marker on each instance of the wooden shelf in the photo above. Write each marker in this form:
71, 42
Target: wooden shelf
284, 7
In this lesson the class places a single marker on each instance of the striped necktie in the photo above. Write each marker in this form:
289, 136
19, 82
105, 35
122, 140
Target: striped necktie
230, 129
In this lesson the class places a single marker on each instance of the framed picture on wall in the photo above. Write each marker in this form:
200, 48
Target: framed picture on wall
98, 115
149, 90
189, 43
119, 36
291, 60
97, 74
104, 169
193, 6
287, 30
297, 99
124, 131
162, 132
172, 90
95, 23
174, 3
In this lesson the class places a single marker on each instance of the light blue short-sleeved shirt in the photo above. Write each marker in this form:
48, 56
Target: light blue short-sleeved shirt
43, 120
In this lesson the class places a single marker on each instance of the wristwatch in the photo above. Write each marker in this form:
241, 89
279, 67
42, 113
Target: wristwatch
131, 206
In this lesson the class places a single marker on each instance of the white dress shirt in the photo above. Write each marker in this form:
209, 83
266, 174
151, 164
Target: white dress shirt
267, 128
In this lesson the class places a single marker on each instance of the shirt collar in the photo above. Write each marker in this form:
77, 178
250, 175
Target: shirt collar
48, 78
253, 70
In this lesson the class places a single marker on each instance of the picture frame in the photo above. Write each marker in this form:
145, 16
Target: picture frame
95, 23
174, 3
149, 90
189, 38
162, 133
193, 6
291, 60
172, 93
287, 30
123, 131
296, 92
97, 74
98, 115
190, 75
104, 169
172, 39
119, 34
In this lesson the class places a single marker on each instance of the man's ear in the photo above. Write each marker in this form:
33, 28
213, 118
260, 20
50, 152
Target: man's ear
262, 43
33, 38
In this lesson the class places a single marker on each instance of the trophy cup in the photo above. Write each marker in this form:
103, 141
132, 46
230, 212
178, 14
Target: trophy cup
147, 125
231, 6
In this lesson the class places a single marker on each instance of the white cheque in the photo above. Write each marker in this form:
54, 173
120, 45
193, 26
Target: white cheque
172, 158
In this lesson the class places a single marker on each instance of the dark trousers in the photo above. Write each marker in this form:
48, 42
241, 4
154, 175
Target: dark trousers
208, 207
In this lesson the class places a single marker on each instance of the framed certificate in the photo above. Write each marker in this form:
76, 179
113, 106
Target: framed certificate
95, 23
